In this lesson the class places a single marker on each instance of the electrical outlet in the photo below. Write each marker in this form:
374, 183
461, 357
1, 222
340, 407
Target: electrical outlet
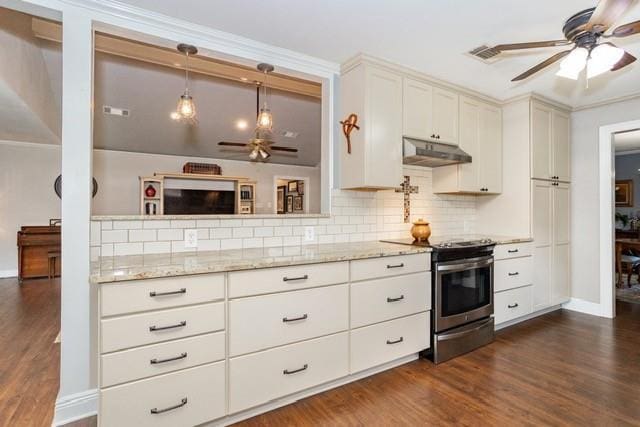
190, 238
309, 234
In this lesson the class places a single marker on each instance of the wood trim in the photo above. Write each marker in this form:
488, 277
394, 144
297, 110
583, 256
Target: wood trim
144, 52
200, 176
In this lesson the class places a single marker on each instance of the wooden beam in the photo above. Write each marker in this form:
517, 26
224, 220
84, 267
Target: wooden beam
138, 51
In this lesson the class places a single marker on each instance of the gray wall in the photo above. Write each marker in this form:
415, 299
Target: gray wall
627, 168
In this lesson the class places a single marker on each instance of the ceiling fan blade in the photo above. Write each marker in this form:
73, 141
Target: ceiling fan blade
606, 14
627, 59
287, 149
531, 45
627, 29
233, 144
542, 65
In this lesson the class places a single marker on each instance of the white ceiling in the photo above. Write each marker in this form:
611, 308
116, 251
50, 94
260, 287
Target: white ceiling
627, 141
427, 35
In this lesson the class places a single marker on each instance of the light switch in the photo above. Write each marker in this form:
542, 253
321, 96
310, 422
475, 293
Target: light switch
191, 238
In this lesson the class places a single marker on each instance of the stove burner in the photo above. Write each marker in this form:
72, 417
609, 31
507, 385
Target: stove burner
449, 244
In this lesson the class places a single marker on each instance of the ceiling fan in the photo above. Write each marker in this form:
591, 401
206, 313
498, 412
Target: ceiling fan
584, 31
260, 147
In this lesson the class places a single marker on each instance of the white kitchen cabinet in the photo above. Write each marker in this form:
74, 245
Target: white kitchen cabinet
375, 96
481, 137
445, 116
551, 239
550, 155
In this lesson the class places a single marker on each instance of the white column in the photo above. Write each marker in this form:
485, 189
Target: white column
76, 377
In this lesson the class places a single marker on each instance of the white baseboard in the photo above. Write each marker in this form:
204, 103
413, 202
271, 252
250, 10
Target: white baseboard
75, 407
8, 273
582, 306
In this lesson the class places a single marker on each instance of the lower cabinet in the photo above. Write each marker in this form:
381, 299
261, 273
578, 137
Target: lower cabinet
260, 377
513, 279
511, 304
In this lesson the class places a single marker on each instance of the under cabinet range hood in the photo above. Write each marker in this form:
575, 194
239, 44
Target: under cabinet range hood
418, 152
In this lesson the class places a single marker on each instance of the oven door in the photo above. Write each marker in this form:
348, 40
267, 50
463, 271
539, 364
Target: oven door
463, 291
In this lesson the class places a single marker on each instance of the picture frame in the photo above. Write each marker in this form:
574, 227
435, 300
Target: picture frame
289, 203
292, 187
624, 193
297, 203
301, 187
280, 199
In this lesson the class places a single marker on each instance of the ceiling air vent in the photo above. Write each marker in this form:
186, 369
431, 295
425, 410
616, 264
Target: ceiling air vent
289, 134
485, 54
106, 109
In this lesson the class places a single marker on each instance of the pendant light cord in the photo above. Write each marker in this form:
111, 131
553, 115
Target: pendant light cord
186, 74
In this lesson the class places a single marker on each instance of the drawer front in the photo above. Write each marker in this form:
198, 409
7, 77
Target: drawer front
258, 378
512, 250
377, 344
153, 294
196, 395
140, 329
512, 273
156, 359
267, 321
269, 280
375, 301
376, 268
512, 304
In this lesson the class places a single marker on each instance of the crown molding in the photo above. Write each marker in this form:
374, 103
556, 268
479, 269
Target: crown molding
632, 96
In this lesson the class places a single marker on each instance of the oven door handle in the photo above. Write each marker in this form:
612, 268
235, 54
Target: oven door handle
464, 332
467, 264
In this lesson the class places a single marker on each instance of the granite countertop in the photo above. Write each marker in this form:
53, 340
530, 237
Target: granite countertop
135, 267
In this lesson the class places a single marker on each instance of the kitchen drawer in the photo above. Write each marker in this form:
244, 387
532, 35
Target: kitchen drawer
512, 273
269, 280
375, 301
258, 378
131, 331
512, 250
376, 268
156, 359
384, 342
511, 304
153, 294
197, 395
259, 322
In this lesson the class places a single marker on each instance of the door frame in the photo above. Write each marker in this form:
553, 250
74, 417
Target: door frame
607, 213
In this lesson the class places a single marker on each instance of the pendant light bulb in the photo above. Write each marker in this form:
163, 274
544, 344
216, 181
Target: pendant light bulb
186, 109
265, 118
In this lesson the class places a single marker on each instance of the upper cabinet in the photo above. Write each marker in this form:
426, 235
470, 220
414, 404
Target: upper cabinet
550, 155
374, 94
429, 113
480, 131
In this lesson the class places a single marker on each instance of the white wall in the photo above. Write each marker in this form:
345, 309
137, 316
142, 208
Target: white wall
27, 174
585, 246
117, 174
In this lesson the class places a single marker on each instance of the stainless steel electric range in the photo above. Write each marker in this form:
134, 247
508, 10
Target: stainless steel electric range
462, 278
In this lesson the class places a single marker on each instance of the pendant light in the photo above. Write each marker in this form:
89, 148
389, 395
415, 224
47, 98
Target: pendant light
265, 118
186, 110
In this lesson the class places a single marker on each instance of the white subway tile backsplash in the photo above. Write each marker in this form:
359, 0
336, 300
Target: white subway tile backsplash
251, 222
208, 223
283, 231
254, 242
142, 235
203, 233
270, 242
115, 236
183, 223
106, 249
96, 231
231, 244
157, 247
156, 223
220, 233
126, 225
263, 231
208, 245
272, 222
127, 248
171, 234
242, 232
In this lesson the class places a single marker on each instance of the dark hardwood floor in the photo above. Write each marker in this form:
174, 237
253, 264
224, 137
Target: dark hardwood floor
563, 368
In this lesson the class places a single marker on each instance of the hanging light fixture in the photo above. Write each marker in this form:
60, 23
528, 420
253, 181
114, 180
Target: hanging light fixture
186, 110
597, 60
265, 118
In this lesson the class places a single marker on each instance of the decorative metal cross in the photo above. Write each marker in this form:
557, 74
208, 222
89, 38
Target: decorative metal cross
407, 189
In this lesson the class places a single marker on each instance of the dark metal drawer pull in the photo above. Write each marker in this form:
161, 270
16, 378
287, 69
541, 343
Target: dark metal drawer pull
171, 359
400, 298
170, 408
396, 265
164, 294
295, 319
512, 251
514, 274
396, 341
162, 328
289, 279
512, 306
288, 372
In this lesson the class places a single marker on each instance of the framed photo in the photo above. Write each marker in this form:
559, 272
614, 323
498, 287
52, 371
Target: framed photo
624, 192
297, 203
280, 199
289, 203
293, 187
301, 187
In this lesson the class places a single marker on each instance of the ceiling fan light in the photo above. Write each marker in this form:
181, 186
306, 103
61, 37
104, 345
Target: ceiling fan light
265, 155
254, 154
573, 64
603, 58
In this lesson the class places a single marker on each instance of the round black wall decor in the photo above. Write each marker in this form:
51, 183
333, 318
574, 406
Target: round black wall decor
57, 187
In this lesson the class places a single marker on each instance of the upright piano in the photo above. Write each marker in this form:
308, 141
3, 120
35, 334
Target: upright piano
36, 245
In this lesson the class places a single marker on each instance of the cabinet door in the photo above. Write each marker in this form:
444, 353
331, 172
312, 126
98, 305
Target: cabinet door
445, 115
469, 173
383, 162
541, 137
561, 147
417, 99
542, 233
490, 149
560, 282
